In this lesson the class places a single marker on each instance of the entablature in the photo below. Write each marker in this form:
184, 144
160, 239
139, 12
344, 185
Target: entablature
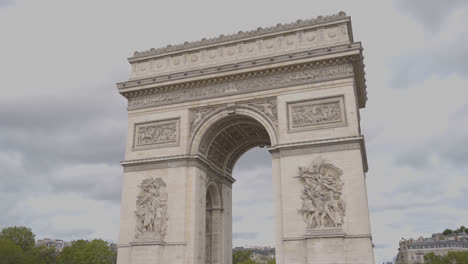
209, 80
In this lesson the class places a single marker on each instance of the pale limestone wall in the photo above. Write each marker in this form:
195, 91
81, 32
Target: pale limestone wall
312, 93
319, 68
356, 222
181, 147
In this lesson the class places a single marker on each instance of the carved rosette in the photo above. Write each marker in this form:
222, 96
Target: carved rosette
322, 203
151, 210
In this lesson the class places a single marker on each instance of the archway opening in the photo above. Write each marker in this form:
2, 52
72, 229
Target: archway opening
226, 140
252, 202
222, 143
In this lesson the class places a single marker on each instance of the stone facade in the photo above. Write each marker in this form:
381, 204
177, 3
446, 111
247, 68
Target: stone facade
194, 109
412, 251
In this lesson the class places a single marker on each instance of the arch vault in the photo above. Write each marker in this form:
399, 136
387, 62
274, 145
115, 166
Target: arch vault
194, 109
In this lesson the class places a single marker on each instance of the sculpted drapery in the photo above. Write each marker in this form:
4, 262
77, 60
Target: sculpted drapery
151, 209
322, 205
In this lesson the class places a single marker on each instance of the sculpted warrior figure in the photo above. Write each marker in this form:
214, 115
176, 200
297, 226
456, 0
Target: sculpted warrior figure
322, 205
151, 209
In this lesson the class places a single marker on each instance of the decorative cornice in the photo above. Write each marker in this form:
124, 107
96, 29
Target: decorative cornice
176, 161
321, 146
285, 76
219, 69
240, 35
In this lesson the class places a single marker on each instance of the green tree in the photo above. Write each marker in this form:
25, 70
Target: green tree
84, 252
460, 230
447, 232
21, 236
43, 255
450, 258
10, 253
271, 261
458, 257
241, 256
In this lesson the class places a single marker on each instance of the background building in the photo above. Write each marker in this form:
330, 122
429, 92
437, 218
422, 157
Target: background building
57, 243
412, 251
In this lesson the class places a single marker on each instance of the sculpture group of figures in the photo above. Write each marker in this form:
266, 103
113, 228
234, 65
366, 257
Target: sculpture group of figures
322, 205
314, 114
151, 209
156, 134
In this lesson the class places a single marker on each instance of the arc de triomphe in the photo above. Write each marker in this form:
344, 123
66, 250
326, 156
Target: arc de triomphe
195, 108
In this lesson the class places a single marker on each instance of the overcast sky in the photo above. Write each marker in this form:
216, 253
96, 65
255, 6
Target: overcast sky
63, 124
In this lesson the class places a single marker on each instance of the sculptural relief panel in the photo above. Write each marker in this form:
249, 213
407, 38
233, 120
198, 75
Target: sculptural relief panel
151, 210
322, 202
316, 114
156, 134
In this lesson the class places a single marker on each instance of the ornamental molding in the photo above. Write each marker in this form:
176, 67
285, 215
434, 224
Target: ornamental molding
320, 20
247, 49
156, 134
244, 83
323, 206
266, 106
316, 114
151, 210
354, 48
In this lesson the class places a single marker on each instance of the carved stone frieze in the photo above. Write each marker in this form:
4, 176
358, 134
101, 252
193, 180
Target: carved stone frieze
242, 51
322, 203
252, 83
156, 134
240, 35
151, 210
317, 113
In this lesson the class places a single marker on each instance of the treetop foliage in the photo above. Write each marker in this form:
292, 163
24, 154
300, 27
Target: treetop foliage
17, 247
451, 258
20, 235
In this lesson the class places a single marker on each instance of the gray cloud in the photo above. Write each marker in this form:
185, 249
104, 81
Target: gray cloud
66, 129
5, 3
379, 245
254, 158
400, 206
430, 13
451, 149
244, 235
448, 59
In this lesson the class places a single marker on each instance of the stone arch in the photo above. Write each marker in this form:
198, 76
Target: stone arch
213, 224
215, 195
245, 128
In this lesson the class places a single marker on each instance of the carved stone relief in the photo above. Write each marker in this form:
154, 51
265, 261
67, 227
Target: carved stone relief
241, 51
267, 106
322, 203
151, 210
249, 84
319, 113
198, 115
162, 133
